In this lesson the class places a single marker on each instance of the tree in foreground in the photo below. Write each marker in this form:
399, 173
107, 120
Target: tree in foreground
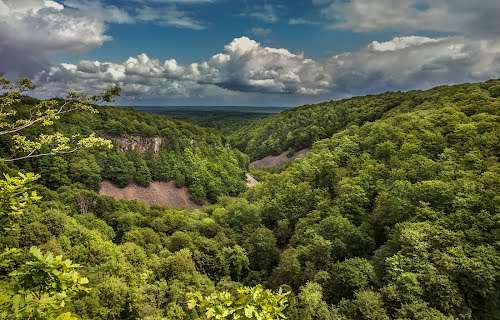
16, 117
254, 303
36, 285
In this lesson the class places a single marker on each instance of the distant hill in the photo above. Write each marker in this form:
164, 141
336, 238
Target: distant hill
299, 128
225, 118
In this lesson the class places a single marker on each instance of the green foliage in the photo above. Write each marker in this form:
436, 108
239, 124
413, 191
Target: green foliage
16, 196
366, 305
39, 287
189, 155
348, 277
494, 91
117, 168
392, 214
309, 305
142, 175
208, 171
84, 169
16, 117
247, 303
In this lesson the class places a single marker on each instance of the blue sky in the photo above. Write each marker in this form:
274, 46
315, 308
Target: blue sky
224, 20
265, 52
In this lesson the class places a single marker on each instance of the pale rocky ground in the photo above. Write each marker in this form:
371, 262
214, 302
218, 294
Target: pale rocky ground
273, 161
251, 181
163, 194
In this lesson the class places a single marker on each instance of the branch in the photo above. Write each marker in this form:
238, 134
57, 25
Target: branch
31, 155
33, 122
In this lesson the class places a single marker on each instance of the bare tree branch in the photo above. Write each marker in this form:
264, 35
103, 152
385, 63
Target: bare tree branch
31, 155
35, 121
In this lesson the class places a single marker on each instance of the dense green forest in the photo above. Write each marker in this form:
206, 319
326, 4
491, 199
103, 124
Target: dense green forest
224, 119
192, 156
300, 127
393, 214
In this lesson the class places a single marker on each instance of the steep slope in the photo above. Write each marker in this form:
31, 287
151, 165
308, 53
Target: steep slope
147, 148
399, 213
299, 128
275, 161
162, 194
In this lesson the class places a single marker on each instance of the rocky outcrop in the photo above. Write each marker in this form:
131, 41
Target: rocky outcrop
251, 181
139, 143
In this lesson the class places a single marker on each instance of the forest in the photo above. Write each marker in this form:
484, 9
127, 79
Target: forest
394, 213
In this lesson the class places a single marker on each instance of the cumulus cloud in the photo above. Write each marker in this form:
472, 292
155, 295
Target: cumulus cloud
414, 62
244, 66
32, 29
459, 16
400, 43
247, 67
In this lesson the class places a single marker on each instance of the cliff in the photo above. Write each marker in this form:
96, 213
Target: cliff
140, 144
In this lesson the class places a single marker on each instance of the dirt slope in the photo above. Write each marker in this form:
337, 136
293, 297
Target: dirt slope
162, 194
273, 161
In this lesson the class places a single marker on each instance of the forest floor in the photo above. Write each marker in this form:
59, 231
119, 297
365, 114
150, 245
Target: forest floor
273, 161
162, 194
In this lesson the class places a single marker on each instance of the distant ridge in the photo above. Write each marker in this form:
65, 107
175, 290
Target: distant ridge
225, 109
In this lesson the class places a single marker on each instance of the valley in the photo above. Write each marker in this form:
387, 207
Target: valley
373, 207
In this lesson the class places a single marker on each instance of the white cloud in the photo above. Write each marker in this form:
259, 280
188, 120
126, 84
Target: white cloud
265, 13
95, 9
243, 66
401, 43
261, 32
53, 5
170, 16
246, 67
459, 16
30, 30
406, 63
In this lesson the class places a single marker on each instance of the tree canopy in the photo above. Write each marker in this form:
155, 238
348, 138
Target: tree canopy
392, 214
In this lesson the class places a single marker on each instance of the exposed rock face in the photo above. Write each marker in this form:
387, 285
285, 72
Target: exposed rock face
139, 143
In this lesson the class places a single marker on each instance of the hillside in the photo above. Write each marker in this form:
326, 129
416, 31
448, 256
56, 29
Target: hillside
299, 128
162, 194
147, 148
393, 213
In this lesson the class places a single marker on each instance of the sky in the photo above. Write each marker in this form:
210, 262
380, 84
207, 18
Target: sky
242, 52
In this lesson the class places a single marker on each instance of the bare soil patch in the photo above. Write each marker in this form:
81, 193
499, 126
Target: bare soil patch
273, 161
163, 194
